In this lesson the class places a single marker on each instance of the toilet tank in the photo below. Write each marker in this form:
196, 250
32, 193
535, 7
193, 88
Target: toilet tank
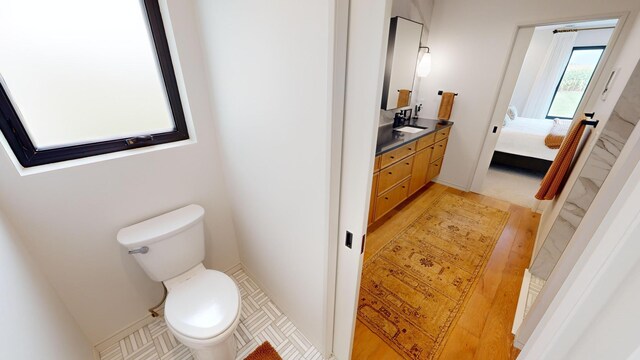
175, 241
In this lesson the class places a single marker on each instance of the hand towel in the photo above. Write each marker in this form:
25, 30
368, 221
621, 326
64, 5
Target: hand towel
559, 170
446, 105
403, 98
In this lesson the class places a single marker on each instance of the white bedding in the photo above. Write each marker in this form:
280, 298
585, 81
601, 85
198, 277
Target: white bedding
525, 137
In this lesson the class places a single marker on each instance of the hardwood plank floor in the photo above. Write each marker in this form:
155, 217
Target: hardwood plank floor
483, 330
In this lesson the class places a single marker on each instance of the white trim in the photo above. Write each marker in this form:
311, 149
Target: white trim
367, 42
120, 334
338, 38
148, 319
451, 185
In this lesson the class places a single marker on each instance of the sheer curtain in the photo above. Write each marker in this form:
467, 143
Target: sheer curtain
549, 74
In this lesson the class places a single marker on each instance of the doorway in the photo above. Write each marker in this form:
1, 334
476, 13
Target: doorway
557, 73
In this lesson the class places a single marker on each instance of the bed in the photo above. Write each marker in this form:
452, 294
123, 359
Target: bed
521, 144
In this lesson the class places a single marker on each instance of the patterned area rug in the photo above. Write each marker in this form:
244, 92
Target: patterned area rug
415, 287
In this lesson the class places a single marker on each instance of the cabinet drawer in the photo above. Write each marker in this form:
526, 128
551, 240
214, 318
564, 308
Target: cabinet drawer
419, 170
391, 199
397, 154
376, 163
395, 173
442, 134
438, 150
426, 141
434, 169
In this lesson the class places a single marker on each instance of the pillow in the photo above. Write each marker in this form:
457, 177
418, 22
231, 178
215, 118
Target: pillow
512, 112
562, 122
506, 120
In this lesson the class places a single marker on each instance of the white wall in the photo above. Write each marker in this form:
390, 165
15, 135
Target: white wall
470, 43
613, 332
69, 218
536, 53
270, 81
35, 324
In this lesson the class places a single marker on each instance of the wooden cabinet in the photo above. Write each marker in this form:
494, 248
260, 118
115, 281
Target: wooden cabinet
442, 134
434, 169
372, 200
419, 171
401, 172
438, 150
398, 154
387, 201
426, 141
395, 173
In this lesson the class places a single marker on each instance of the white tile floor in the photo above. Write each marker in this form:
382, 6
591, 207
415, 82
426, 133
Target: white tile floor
514, 185
535, 286
260, 321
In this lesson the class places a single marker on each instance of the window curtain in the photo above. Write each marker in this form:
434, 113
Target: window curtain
549, 75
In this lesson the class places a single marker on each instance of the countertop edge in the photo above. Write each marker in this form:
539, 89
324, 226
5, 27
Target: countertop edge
413, 138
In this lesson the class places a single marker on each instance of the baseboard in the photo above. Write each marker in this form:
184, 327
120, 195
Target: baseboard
446, 183
134, 326
129, 329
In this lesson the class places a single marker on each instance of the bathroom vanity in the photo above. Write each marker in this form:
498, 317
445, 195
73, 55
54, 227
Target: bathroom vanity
405, 162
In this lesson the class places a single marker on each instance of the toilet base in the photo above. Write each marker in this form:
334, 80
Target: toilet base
225, 350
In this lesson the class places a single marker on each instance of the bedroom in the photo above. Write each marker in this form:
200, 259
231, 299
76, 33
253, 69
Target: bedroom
560, 62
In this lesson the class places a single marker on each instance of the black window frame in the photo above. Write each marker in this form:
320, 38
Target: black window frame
27, 154
600, 47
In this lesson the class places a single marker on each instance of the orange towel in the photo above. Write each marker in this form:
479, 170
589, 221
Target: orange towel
557, 174
403, 98
446, 105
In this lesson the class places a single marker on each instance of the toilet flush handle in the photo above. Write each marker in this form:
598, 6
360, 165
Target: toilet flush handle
142, 250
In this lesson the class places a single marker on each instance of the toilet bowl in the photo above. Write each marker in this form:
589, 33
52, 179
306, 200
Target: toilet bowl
203, 306
202, 312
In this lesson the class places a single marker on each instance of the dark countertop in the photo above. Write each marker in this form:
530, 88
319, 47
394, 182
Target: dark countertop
389, 139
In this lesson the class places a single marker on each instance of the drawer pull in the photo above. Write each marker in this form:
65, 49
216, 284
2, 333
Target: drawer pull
407, 163
386, 198
440, 145
391, 157
404, 187
410, 149
390, 173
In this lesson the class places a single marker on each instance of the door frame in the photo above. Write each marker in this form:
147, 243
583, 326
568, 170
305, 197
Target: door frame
365, 30
510, 77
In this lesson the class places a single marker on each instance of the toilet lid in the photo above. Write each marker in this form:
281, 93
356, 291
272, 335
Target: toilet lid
204, 306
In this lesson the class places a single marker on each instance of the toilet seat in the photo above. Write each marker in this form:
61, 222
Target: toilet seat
204, 306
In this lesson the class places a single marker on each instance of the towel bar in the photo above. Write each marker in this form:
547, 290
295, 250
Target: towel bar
440, 93
591, 122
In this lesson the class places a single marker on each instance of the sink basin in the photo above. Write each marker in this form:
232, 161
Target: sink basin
411, 129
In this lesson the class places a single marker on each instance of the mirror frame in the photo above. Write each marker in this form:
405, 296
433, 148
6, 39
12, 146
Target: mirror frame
27, 154
389, 60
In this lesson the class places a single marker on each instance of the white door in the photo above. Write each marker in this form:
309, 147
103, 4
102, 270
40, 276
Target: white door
367, 43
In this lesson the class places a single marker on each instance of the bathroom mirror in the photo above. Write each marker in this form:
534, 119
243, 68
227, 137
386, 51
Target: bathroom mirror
402, 58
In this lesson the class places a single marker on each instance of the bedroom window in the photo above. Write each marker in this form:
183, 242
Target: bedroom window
80, 79
574, 81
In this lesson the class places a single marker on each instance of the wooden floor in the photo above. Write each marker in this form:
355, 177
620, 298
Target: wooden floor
484, 328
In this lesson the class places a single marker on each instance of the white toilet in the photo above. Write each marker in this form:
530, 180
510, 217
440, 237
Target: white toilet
202, 309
